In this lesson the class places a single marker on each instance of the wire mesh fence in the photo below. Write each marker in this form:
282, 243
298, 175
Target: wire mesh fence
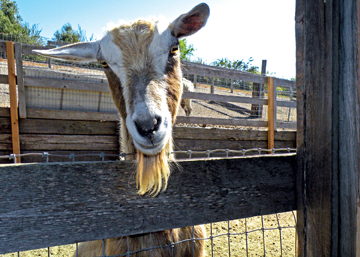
265, 235
241, 88
45, 157
100, 100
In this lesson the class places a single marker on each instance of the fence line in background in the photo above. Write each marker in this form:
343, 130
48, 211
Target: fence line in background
189, 68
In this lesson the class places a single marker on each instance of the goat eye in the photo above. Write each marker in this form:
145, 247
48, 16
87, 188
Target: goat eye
104, 64
174, 49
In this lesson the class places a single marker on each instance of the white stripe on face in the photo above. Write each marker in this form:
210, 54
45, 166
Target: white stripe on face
141, 68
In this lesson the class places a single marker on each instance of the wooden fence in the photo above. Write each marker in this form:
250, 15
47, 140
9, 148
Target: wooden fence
44, 205
65, 132
97, 88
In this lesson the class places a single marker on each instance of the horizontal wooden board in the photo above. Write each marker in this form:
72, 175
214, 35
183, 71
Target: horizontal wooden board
224, 98
48, 143
216, 121
41, 142
229, 134
68, 127
61, 127
93, 116
66, 84
68, 142
203, 145
234, 99
44, 205
219, 72
73, 127
4, 112
71, 115
5, 142
5, 125
4, 79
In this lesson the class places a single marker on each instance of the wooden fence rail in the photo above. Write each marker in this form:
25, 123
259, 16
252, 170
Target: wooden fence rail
65, 132
45, 205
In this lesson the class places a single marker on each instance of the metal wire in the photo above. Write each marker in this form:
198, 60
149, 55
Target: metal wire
191, 154
123, 156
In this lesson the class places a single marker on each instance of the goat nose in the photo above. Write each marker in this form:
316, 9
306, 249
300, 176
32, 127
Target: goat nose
148, 127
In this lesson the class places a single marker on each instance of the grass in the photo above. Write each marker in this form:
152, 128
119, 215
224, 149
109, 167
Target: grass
271, 235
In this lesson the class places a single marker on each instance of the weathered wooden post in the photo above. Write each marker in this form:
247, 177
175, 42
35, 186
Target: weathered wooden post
328, 126
13, 99
212, 87
258, 92
271, 112
20, 80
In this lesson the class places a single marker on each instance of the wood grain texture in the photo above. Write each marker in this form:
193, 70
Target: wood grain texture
44, 205
68, 127
219, 72
66, 84
13, 99
20, 80
328, 131
271, 112
218, 121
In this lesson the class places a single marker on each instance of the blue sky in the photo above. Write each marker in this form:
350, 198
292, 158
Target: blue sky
236, 29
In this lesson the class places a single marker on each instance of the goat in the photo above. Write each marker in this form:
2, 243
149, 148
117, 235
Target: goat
142, 63
186, 104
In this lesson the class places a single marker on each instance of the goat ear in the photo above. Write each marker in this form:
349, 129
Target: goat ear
191, 22
78, 52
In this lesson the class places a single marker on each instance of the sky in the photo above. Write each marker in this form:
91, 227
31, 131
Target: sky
236, 29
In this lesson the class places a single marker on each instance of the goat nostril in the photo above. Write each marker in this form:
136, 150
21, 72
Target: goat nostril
148, 128
157, 123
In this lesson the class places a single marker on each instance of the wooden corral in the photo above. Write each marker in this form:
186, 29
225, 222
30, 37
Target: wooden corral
66, 132
49, 204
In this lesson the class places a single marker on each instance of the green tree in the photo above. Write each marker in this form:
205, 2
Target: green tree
237, 65
68, 35
186, 50
12, 26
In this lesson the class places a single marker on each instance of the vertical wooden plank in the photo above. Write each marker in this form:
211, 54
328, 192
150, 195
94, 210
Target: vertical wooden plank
195, 80
347, 126
231, 86
212, 90
300, 98
271, 112
328, 126
358, 196
13, 99
256, 109
20, 80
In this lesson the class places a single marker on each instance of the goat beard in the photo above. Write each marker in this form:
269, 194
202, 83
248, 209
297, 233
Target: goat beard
153, 171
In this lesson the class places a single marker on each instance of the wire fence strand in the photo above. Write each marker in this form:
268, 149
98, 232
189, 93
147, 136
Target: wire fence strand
191, 154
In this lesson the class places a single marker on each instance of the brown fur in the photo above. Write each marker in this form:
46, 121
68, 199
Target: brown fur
134, 40
163, 239
152, 171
